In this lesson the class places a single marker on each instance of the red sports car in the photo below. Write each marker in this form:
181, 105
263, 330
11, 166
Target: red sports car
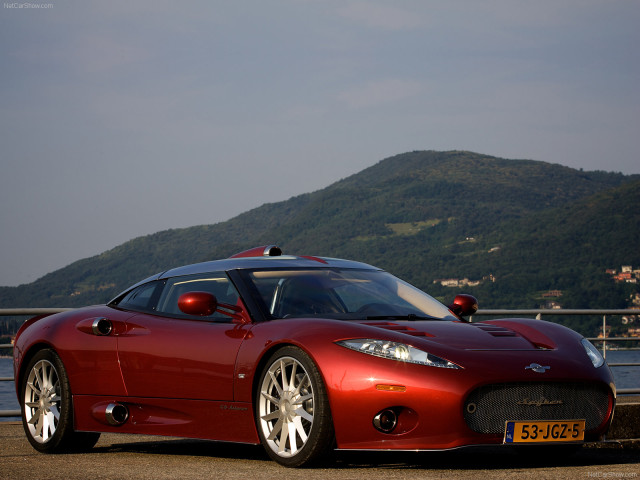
304, 355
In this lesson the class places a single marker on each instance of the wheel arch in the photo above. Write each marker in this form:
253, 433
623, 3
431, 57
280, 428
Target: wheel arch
26, 359
317, 438
62, 436
266, 355
261, 364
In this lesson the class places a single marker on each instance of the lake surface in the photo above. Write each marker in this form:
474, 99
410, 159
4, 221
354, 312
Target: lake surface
8, 400
625, 377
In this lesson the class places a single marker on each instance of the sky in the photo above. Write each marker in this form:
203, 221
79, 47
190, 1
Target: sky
123, 118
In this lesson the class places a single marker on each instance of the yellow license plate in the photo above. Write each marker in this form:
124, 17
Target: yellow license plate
544, 431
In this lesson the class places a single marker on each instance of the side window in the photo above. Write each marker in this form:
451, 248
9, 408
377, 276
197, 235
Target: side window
217, 283
140, 298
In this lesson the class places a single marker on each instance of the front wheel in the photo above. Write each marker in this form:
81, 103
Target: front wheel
292, 409
47, 409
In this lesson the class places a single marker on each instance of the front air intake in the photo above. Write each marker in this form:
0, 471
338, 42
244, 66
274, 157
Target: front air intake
488, 408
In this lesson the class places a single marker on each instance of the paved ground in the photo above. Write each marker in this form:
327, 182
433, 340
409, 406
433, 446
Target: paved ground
135, 457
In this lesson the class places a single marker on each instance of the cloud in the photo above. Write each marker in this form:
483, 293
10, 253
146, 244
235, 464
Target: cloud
380, 16
98, 54
380, 92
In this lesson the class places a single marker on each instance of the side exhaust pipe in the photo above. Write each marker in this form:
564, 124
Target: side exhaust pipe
386, 420
116, 414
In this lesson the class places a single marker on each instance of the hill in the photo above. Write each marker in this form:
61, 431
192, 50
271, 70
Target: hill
518, 227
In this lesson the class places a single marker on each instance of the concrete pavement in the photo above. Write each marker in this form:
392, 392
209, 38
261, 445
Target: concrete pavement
142, 457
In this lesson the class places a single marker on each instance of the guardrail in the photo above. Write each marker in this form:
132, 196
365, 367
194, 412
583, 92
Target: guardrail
539, 313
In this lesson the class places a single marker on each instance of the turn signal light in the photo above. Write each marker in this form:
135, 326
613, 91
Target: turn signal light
391, 388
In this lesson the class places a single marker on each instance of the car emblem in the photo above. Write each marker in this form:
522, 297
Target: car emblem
541, 402
537, 368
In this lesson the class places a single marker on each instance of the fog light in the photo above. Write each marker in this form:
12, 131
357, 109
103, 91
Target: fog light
385, 421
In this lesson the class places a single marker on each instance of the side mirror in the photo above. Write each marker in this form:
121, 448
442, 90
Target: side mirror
201, 304
464, 305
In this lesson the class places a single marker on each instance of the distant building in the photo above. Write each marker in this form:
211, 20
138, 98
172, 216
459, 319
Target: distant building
633, 332
552, 294
627, 274
623, 277
457, 282
552, 306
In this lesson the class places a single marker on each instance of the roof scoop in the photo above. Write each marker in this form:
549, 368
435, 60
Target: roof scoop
264, 251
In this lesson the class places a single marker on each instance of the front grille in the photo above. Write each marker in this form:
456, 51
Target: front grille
489, 407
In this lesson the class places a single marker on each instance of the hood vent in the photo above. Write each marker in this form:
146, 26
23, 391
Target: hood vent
495, 330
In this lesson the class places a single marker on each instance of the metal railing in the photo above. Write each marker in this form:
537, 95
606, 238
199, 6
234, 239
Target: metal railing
539, 313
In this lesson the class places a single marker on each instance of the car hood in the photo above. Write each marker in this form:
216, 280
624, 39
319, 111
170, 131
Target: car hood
508, 334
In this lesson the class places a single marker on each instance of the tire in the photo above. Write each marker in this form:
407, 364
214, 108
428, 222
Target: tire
292, 409
47, 408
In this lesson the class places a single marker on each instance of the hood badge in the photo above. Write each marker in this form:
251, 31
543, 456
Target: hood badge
537, 368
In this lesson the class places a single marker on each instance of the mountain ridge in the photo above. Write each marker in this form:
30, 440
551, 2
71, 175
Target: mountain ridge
422, 215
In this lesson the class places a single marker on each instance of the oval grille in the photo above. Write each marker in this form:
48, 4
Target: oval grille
488, 408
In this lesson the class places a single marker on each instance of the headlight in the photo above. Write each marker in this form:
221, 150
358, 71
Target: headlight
396, 351
593, 353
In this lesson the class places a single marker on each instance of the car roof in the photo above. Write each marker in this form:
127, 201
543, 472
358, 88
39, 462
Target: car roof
266, 262
281, 261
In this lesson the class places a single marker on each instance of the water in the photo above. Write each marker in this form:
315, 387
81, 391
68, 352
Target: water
8, 400
625, 377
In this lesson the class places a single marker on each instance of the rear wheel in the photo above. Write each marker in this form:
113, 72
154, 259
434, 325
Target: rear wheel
292, 409
47, 409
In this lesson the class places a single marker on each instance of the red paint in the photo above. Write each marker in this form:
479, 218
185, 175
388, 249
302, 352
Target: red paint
197, 377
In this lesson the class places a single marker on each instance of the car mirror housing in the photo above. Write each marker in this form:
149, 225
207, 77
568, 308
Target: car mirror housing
464, 305
201, 304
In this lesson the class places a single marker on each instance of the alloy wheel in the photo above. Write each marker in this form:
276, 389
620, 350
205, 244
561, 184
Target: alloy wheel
42, 401
286, 406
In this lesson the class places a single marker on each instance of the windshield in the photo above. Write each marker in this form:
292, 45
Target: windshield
343, 294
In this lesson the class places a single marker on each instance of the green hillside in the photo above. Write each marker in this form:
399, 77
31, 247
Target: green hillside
519, 227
